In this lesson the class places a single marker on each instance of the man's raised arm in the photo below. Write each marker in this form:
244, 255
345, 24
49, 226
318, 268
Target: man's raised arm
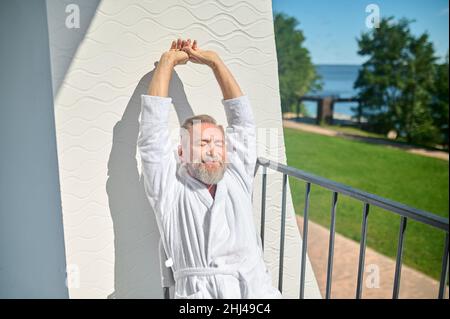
227, 82
158, 157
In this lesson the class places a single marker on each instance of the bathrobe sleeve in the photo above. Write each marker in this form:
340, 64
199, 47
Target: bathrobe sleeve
156, 151
241, 139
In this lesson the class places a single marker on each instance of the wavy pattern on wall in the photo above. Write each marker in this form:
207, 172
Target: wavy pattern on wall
111, 235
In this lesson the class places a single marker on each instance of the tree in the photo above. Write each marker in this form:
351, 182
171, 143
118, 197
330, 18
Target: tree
396, 82
297, 74
439, 106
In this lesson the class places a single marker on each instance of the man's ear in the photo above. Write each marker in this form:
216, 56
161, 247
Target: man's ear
180, 151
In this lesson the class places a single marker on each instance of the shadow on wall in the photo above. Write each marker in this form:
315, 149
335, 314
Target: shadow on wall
136, 235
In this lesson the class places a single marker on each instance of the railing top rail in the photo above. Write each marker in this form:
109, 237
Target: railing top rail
401, 209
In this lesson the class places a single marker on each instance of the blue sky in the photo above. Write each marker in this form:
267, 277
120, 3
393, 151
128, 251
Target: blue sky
331, 27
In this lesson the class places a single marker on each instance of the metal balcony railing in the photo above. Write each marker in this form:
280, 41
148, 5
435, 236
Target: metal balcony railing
405, 213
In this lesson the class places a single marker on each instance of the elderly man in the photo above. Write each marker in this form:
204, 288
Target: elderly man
202, 193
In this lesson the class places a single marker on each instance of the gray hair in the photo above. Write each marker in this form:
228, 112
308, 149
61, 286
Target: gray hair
202, 118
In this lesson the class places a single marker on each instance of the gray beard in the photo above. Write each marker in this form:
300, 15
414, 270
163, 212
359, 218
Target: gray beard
199, 171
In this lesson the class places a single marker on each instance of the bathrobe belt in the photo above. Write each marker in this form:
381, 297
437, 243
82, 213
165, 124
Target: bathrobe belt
212, 271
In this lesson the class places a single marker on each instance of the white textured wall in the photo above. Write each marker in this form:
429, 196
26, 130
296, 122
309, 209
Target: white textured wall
99, 72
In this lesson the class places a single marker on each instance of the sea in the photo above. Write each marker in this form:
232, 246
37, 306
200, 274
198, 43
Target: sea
337, 80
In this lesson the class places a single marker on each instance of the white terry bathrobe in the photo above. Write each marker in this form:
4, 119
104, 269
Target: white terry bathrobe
212, 244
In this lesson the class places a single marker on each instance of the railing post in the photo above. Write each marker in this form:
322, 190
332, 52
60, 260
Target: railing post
362, 251
444, 269
283, 224
166, 293
304, 241
263, 205
331, 245
398, 263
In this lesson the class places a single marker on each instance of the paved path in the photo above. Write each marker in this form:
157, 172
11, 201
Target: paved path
345, 268
324, 131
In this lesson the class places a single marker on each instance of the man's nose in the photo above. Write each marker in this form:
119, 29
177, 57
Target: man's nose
212, 149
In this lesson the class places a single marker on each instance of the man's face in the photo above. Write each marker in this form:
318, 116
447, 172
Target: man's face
206, 157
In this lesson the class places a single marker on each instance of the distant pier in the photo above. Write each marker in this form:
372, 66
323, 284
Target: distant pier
325, 106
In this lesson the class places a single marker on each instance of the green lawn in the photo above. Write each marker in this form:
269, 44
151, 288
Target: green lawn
410, 179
